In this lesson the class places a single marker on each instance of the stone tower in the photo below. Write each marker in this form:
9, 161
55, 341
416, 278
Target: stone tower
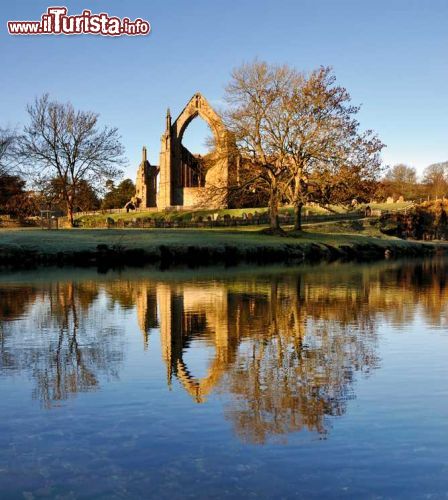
146, 183
164, 196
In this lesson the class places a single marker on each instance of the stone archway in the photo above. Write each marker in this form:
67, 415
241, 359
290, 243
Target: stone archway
199, 106
183, 179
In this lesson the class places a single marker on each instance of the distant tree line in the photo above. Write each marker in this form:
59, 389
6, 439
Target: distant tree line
402, 180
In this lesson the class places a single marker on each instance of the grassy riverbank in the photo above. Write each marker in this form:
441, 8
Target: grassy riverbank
197, 246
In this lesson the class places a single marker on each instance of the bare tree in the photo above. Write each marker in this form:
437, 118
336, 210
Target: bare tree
65, 144
331, 161
14, 200
300, 136
401, 174
435, 177
7, 139
401, 180
256, 116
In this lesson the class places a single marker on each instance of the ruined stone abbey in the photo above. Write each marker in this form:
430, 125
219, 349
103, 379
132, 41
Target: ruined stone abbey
185, 179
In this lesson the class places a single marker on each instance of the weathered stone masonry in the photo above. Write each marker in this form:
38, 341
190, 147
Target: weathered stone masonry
186, 179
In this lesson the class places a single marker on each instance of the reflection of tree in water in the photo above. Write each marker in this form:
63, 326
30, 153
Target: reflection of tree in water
416, 283
14, 301
66, 347
293, 368
303, 341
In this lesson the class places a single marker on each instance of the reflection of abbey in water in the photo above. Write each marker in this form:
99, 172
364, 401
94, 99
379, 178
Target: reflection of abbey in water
184, 313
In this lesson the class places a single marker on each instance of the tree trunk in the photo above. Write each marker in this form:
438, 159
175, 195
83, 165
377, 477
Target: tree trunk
298, 196
298, 216
273, 209
70, 216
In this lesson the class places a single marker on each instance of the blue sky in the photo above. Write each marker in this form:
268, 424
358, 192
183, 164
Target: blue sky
391, 55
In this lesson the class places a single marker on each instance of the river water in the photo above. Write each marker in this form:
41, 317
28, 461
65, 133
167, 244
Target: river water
309, 382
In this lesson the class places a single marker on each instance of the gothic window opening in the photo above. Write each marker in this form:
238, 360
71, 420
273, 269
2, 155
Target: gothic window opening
195, 148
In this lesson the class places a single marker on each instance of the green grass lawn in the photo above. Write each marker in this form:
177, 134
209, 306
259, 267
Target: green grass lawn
187, 215
73, 240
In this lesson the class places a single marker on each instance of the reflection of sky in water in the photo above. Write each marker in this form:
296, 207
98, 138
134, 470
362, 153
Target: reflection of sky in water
198, 357
323, 381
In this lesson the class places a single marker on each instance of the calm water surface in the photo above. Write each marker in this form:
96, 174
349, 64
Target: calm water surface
324, 381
